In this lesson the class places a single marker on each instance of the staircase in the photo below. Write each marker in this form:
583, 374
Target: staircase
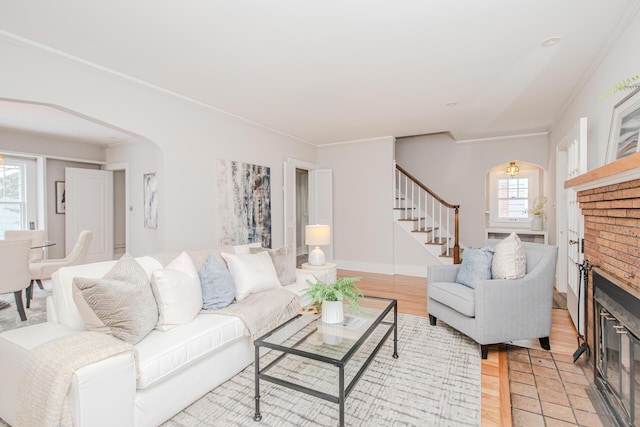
426, 217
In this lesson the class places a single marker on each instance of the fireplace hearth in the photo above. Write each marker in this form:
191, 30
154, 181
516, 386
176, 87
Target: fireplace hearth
616, 318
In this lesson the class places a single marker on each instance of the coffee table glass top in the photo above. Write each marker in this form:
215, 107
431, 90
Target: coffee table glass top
307, 335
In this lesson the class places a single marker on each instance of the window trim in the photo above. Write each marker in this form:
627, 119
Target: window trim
23, 203
533, 174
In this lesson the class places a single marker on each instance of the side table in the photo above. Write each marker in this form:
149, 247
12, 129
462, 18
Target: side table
326, 272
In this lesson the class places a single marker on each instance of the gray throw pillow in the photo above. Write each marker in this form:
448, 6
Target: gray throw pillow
284, 260
218, 287
476, 265
121, 303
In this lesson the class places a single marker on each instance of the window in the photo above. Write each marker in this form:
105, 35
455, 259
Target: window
12, 195
513, 198
509, 198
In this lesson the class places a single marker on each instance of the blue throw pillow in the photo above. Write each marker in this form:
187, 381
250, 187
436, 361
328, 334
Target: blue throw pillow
476, 265
218, 287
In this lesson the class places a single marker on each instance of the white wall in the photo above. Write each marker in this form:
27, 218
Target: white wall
190, 136
141, 158
363, 200
457, 172
621, 61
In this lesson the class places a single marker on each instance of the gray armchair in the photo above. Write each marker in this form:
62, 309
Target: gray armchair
497, 311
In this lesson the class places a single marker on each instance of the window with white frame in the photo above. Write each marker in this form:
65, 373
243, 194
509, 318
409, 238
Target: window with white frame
13, 200
509, 197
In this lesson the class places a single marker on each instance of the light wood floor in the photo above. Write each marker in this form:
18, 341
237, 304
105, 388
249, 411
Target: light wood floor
411, 293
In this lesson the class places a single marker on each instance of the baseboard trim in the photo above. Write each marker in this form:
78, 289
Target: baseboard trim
412, 270
367, 267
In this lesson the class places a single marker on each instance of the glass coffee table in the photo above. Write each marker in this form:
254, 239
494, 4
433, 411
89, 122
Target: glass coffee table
308, 351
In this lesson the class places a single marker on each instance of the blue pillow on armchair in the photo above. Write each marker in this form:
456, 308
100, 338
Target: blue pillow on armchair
476, 265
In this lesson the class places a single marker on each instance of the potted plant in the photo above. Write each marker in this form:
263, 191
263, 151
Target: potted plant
537, 210
329, 297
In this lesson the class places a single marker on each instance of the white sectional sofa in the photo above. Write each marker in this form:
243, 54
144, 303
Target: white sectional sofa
176, 367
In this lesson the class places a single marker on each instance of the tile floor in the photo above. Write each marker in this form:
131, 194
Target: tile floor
549, 390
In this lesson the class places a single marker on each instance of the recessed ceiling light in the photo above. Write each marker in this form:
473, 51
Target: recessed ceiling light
550, 41
452, 103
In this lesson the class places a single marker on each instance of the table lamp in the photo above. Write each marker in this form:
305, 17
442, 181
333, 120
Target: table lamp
317, 235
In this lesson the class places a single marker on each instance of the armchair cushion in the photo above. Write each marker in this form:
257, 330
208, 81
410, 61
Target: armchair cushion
459, 297
476, 265
509, 260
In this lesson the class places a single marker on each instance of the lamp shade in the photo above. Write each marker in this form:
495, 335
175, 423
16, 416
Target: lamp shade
317, 235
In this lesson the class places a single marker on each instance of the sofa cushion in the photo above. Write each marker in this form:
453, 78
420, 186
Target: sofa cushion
459, 297
218, 287
476, 265
252, 273
120, 304
161, 354
509, 259
284, 261
177, 291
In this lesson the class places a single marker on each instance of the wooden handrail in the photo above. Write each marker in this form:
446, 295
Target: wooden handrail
456, 208
427, 189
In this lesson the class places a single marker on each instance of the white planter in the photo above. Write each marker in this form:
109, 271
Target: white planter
537, 223
332, 311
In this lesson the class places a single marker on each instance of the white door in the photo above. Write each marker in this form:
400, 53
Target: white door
570, 222
321, 203
89, 206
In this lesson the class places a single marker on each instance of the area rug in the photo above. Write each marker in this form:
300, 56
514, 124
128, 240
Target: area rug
434, 382
9, 317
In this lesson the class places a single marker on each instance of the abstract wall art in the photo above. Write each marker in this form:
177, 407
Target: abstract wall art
244, 203
150, 182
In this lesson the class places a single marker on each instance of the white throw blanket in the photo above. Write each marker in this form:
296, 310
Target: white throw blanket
263, 311
43, 387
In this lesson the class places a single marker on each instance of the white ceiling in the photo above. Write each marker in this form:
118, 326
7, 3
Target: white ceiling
337, 70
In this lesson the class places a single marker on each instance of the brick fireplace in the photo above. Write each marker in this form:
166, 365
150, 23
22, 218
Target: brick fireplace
609, 198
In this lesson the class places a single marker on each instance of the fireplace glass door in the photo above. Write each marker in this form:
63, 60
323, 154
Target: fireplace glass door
619, 366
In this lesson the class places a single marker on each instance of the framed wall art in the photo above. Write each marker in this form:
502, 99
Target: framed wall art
150, 183
625, 128
60, 197
244, 203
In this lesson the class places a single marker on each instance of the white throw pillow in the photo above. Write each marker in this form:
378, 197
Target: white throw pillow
252, 273
177, 292
509, 260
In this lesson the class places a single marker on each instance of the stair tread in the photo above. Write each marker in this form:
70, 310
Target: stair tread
425, 230
411, 219
436, 242
402, 209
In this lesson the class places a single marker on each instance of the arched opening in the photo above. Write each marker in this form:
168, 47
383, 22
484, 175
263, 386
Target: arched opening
515, 201
56, 138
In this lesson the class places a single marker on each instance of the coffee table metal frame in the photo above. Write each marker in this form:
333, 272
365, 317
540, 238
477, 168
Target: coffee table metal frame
343, 389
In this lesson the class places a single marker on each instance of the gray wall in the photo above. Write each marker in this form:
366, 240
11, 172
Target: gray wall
457, 172
362, 207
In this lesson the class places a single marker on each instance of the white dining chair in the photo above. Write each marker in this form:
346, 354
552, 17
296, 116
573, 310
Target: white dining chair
36, 254
44, 269
14, 265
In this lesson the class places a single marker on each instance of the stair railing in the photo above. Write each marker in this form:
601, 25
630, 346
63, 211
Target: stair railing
421, 198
